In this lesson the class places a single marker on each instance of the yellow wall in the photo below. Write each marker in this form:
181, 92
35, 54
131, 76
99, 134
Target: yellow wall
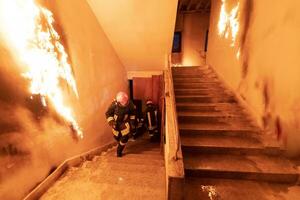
266, 73
195, 26
99, 74
140, 31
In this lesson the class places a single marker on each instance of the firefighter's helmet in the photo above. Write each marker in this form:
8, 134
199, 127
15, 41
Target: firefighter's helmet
122, 98
149, 101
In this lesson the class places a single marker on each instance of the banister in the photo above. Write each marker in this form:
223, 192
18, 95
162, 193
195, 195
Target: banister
174, 110
173, 154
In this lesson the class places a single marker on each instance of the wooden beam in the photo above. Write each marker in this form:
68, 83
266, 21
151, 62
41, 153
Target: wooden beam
207, 5
195, 11
180, 3
199, 4
189, 5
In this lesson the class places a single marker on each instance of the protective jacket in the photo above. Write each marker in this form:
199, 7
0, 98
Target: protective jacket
123, 116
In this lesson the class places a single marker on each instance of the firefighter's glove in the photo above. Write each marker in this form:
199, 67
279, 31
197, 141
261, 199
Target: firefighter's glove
123, 126
132, 124
112, 124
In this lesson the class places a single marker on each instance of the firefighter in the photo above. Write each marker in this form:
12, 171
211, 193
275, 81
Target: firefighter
151, 120
121, 118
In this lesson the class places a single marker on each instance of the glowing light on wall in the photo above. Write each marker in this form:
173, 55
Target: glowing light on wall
238, 54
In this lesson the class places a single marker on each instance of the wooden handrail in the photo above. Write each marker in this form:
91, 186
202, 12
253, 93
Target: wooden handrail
173, 108
173, 154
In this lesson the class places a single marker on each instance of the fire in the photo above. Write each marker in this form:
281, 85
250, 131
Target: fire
228, 22
28, 30
238, 54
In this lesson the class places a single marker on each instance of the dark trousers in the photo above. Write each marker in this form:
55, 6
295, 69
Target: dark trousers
122, 139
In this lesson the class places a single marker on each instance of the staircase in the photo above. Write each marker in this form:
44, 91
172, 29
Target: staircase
139, 174
220, 142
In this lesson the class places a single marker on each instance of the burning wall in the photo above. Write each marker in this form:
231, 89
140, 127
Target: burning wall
261, 60
35, 138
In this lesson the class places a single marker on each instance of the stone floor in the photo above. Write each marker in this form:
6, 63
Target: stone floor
227, 189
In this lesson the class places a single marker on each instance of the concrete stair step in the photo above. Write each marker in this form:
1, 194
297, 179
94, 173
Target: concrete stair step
208, 114
119, 165
146, 152
207, 86
139, 150
194, 75
187, 110
222, 140
111, 175
212, 95
207, 90
141, 192
90, 190
189, 73
187, 68
139, 174
233, 189
213, 92
142, 148
129, 153
219, 125
181, 107
191, 69
213, 118
110, 186
196, 81
205, 99
136, 160
218, 129
141, 168
216, 124
142, 144
208, 107
249, 167
200, 79
211, 84
227, 145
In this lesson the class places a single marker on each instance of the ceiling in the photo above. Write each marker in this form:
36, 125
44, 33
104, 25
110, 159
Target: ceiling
186, 6
141, 31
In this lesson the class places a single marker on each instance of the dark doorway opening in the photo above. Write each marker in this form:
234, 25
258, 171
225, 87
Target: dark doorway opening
206, 41
176, 42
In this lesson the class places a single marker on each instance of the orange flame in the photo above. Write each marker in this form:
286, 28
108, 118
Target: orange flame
28, 30
228, 22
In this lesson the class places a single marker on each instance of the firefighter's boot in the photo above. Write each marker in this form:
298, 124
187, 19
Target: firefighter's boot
120, 150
